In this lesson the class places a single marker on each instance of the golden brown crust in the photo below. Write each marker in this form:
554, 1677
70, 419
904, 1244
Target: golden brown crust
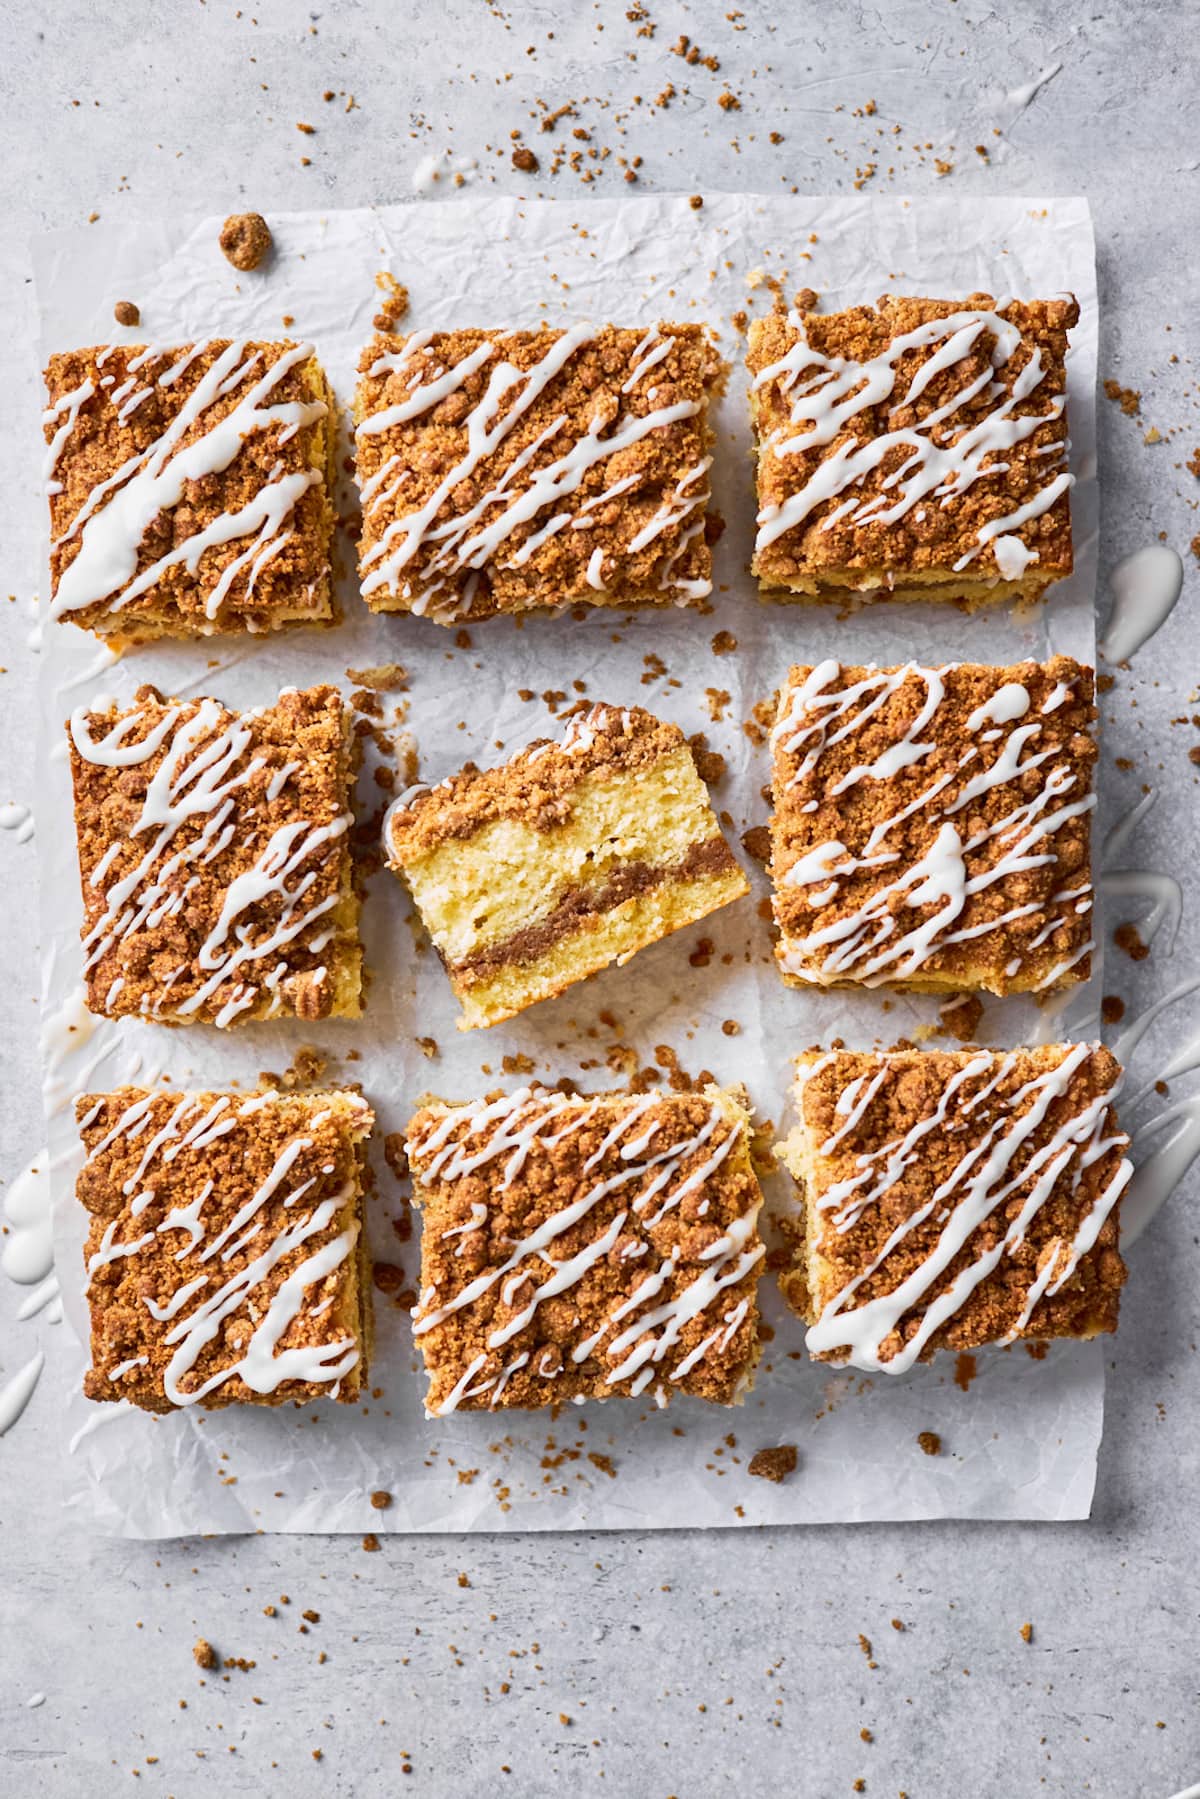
680, 1209
171, 1174
594, 556
930, 537
960, 1112
242, 782
116, 428
535, 786
1024, 921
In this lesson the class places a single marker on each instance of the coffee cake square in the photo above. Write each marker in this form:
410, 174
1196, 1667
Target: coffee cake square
214, 859
954, 1198
572, 855
932, 826
226, 1257
503, 471
190, 488
916, 449
583, 1248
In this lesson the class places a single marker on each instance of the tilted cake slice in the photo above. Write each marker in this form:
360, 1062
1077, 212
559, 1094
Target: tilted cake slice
955, 1198
577, 1247
503, 471
214, 859
572, 855
226, 1255
932, 826
915, 449
190, 488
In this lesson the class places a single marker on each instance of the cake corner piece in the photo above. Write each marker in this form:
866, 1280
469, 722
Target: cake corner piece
955, 1199
617, 1255
574, 854
226, 1254
190, 489
916, 449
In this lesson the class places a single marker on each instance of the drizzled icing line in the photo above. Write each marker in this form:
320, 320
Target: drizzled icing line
642, 1333
1002, 1162
942, 454
916, 911
432, 555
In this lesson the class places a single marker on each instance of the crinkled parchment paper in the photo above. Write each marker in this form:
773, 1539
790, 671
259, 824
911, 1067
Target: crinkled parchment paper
1020, 1440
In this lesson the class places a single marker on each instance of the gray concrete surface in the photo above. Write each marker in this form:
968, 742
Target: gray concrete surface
634, 1665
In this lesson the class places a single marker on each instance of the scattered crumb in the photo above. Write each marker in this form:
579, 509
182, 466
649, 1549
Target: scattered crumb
525, 160
930, 1442
395, 301
1027, 1633
774, 1464
381, 1500
126, 313
1127, 398
204, 1655
370, 1542
1127, 937
245, 239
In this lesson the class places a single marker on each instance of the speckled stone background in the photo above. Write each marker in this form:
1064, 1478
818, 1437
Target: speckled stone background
669, 1664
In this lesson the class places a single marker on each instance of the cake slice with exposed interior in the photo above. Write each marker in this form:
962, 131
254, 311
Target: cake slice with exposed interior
574, 854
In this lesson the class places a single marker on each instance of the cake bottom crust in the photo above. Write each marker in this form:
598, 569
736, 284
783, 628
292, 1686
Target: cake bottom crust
942, 587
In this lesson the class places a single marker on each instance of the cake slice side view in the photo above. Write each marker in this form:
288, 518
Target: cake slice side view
952, 1199
572, 855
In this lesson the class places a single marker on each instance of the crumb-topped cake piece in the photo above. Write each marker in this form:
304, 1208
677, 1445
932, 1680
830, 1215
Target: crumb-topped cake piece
955, 1198
572, 855
214, 859
503, 471
580, 1248
932, 826
915, 449
190, 488
226, 1257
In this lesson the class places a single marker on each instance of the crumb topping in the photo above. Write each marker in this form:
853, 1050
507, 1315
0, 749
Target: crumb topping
223, 1255
578, 1246
934, 824
503, 471
214, 858
535, 785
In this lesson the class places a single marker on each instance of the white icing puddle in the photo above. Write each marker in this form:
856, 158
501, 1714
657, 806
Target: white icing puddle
34, 1700
28, 1253
1019, 98
15, 1396
434, 174
18, 819
1145, 588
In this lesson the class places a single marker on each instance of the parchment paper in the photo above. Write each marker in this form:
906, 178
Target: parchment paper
1020, 1439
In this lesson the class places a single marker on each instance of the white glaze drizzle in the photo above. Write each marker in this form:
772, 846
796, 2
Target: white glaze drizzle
422, 559
207, 760
112, 523
980, 1182
939, 464
870, 944
506, 1132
